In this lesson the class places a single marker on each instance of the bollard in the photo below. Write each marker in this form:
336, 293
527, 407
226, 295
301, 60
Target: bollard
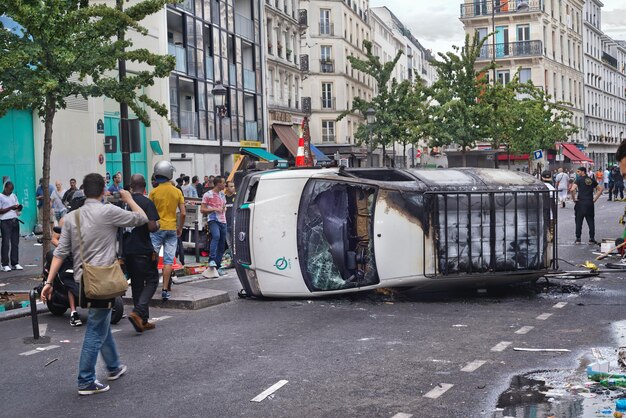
196, 239
33, 314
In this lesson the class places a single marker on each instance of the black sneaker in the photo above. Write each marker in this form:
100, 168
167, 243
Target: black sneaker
95, 387
577, 242
117, 373
593, 242
165, 295
75, 320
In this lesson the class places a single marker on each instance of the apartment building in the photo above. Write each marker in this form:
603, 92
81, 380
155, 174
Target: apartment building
542, 38
389, 35
605, 87
284, 23
336, 30
215, 41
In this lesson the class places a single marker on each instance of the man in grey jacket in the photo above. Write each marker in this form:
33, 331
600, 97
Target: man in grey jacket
99, 225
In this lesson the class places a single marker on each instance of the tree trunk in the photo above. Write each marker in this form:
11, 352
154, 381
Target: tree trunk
47, 151
404, 155
464, 156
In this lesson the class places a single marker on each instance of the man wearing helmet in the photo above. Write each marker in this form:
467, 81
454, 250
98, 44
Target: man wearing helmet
167, 200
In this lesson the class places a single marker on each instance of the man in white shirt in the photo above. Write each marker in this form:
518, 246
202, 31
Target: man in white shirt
10, 228
56, 200
607, 173
561, 181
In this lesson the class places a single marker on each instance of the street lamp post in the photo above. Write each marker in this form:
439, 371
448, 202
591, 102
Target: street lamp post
219, 97
522, 6
370, 114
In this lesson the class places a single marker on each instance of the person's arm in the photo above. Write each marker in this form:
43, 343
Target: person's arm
153, 217
599, 189
119, 217
183, 213
56, 237
55, 266
573, 191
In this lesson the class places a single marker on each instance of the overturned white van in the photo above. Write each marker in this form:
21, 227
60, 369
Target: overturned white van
317, 232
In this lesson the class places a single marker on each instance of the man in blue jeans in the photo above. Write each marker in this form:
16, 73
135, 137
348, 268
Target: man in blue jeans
99, 224
214, 206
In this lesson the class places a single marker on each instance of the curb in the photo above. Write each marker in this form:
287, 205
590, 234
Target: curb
198, 299
22, 312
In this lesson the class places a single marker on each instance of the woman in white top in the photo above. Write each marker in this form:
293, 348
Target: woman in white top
56, 198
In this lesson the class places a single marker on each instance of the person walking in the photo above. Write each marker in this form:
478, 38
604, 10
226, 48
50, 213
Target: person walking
56, 199
618, 184
195, 182
562, 184
230, 194
10, 228
585, 192
69, 193
607, 173
167, 199
214, 206
188, 189
140, 258
97, 236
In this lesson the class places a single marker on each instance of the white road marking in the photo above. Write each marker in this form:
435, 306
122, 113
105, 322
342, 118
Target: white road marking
560, 305
501, 346
267, 392
114, 330
544, 316
161, 318
438, 391
536, 350
402, 415
3, 284
524, 330
39, 350
42, 329
473, 365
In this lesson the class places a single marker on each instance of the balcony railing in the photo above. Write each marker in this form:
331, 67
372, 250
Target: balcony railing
188, 124
249, 80
244, 26
329, 138
512, 49
328, 103
609, 59
186, 5
485, 7
327, 66
180, 54
251, 130
327, 28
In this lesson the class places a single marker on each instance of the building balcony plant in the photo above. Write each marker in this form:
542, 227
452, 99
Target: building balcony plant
288, 53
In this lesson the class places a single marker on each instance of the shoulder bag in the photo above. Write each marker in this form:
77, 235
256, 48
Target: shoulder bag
100, 282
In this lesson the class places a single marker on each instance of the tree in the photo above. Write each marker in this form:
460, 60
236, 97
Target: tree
381, 73
457, 114
71, 48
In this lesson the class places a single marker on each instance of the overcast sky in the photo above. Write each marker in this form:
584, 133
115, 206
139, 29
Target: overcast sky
436, 23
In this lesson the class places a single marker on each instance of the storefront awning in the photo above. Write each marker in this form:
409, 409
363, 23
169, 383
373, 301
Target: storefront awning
319, 155
288, 137
261, 154
572, 152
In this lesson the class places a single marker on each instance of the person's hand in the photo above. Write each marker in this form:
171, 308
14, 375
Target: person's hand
15, 207
179, 232
125, 196
46, 292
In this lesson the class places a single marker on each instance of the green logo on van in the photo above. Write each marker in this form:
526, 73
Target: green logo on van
281, 264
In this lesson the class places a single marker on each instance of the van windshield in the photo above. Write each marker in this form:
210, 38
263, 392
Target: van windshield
334, 235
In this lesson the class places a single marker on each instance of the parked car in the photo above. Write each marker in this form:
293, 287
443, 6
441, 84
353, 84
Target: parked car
316, 232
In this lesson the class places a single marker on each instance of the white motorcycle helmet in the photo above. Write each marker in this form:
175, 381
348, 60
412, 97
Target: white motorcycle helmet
164, 169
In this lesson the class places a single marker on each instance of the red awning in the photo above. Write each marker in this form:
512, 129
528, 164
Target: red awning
511, 157
572, 152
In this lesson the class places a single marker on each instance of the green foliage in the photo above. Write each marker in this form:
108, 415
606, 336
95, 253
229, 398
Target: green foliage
457, 114
68, 39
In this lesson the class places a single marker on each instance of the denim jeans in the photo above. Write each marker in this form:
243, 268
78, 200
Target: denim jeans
144, 280
98, 339
10, 230
218, 241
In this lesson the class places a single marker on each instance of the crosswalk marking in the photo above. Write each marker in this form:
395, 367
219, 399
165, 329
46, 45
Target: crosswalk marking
560, 305
501, 346
524, 330
39, 350
267, 392
438, 391
473, 365
544, 316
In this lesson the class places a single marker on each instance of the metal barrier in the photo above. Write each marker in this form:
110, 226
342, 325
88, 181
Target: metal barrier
33, 313
491, 232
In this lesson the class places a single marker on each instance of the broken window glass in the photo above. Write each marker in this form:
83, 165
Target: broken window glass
335, 227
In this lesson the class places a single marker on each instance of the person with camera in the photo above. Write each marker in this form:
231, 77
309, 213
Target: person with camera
140, 259
90, 235
10, 209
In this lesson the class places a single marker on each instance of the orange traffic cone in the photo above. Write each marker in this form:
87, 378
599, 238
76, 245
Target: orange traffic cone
175, 266
300, 160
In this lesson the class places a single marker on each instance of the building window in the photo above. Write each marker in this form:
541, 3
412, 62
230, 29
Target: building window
503, 76
325, 25
328, 101
525, 75
328, 131
326, 59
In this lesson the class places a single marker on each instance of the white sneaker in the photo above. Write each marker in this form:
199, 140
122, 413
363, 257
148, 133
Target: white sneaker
18, 267
6, 268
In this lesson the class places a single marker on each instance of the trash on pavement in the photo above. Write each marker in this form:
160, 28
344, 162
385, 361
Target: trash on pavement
620, 404
621, 357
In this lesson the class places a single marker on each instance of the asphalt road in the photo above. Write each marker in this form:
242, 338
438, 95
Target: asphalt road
370, 355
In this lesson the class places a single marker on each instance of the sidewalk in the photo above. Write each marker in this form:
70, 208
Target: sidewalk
32, 261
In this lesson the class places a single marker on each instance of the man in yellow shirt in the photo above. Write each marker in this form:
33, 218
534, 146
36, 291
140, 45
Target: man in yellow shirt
167, 199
